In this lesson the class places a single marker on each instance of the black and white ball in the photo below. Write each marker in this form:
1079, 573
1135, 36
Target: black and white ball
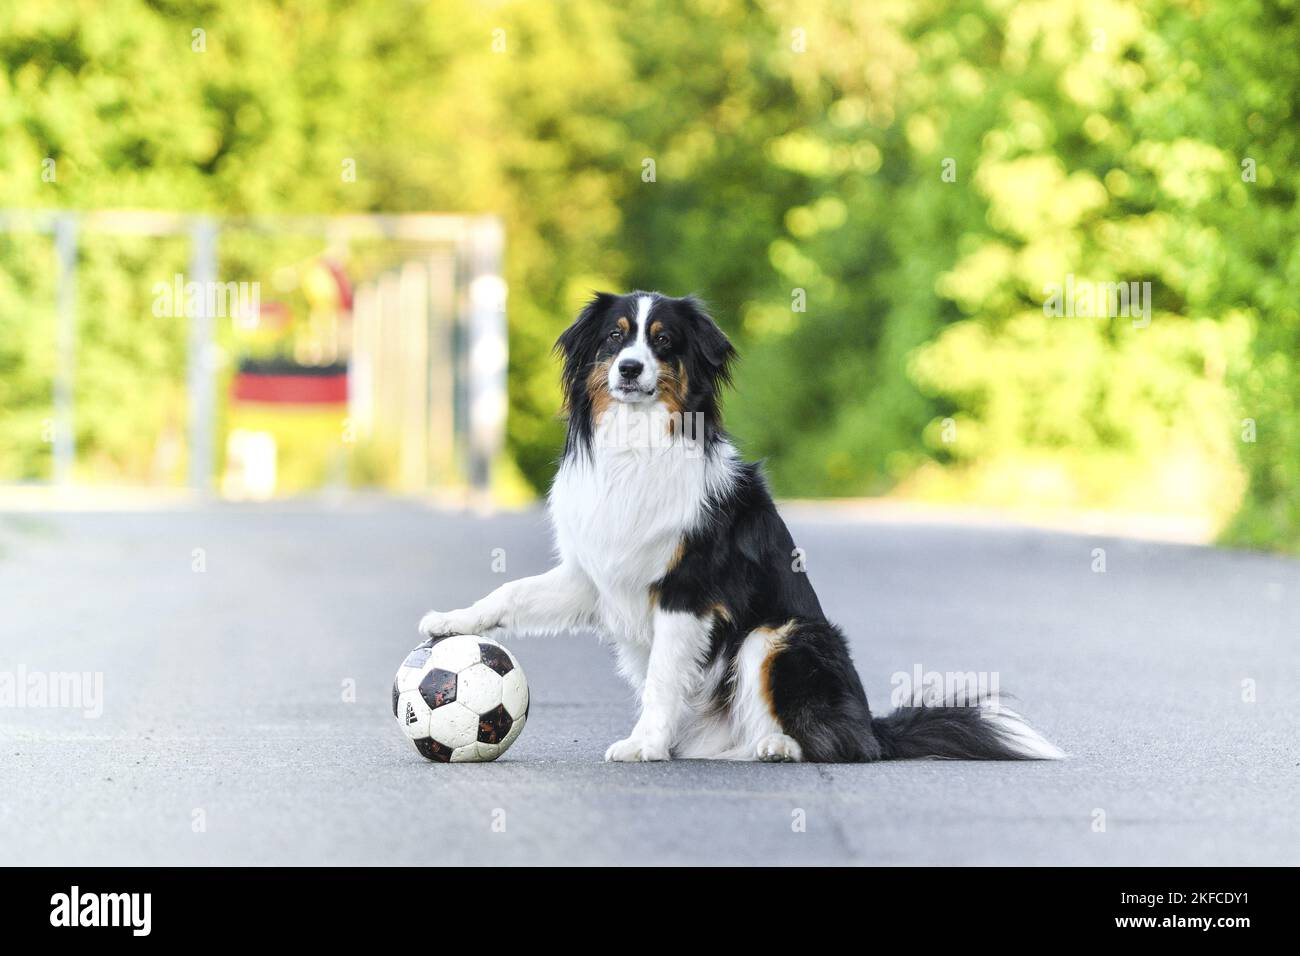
461, 699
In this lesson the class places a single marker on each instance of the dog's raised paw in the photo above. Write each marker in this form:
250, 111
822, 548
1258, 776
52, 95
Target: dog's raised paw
636, 750
779, 748
443, 624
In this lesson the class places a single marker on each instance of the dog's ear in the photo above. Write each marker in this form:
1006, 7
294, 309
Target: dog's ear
577, 346
575, 340
712, 344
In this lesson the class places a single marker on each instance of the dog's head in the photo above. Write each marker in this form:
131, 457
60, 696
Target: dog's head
643, 347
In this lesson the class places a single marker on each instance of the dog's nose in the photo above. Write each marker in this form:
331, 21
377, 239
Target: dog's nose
630, 368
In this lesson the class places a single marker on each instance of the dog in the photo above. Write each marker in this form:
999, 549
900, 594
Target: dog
671, 545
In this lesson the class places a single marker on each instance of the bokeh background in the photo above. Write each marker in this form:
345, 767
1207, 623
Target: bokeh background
874, 198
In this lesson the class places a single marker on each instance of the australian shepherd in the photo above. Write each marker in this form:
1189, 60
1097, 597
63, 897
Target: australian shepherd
670, 545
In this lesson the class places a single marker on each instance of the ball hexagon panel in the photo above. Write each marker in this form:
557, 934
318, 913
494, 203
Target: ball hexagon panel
470, 753
454, 653
494, 725
489, 751
438, 688
478, 687
514, 693
413, 714
454, 725
516, 729
496, 657
433, 750
412, 669
419, 654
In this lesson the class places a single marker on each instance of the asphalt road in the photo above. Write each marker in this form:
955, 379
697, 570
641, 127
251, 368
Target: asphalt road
225, 735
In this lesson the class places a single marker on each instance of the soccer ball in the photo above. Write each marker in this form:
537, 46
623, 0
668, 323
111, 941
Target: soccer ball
461, 699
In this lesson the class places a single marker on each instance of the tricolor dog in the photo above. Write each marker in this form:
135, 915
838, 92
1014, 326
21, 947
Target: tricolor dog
670, 545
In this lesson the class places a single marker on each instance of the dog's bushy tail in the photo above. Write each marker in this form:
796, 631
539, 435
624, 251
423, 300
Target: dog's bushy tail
985, 730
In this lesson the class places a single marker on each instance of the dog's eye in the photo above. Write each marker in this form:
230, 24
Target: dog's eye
661, 340
616, 336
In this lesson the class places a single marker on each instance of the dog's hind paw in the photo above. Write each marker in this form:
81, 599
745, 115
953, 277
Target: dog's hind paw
779, 748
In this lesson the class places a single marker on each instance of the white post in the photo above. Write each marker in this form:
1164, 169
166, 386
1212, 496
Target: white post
203, 270
65, 441
361, 363
413, 376
442, 372
488, 351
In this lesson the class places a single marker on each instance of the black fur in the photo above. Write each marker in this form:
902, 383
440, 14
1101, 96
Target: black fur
580, 346
954, 732
741, 567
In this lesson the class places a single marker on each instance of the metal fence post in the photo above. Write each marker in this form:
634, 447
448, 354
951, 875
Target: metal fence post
65, 439
442, 367
203, 271
488, 350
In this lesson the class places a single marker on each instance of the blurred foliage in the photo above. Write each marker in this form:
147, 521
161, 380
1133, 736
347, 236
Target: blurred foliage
875, 197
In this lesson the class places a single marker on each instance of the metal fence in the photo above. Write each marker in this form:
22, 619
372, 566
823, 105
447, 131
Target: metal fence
428, 351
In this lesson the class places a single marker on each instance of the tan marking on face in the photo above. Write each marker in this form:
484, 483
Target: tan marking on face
598, 389
721, 613
625, 326
776, 638
655, 329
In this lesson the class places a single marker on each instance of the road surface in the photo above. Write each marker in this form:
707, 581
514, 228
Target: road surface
246, 655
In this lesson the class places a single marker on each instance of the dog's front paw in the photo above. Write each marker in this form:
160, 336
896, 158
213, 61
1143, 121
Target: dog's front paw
446, 623
635, 749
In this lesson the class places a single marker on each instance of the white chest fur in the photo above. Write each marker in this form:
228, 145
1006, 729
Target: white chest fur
620, 512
